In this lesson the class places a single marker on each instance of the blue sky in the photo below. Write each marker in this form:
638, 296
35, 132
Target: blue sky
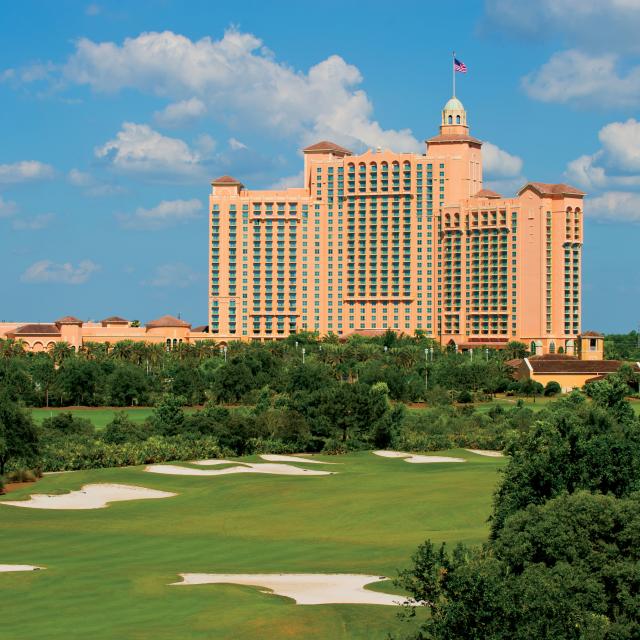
115, 116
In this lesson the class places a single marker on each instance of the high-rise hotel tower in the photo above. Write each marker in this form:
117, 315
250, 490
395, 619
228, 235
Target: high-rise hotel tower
401, 241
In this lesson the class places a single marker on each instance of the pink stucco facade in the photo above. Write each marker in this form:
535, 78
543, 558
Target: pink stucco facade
402, 241
167, 331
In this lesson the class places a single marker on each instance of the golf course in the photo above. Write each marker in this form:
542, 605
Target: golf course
108, 572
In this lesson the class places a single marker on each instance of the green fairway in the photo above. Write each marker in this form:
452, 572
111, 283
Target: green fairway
108, 570
100, 416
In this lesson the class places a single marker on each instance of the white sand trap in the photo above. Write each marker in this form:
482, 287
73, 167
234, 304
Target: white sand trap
91, 496
392, 454
427, 459
304, 588
486, 452
213, 462
416, 459
272, 457
18, 567
253, 467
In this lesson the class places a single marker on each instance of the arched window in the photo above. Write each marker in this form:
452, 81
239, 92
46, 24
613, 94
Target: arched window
450, 119
175, 342
168, 344
457, 119
552, 347
533, 348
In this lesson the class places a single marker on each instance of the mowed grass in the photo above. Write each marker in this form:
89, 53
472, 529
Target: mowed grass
108, 570
100, 416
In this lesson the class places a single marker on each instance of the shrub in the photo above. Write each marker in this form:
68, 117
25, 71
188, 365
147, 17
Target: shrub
552, 388
122, 429
22, 475
72, 454
334, 447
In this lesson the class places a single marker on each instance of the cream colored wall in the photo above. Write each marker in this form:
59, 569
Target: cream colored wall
567, 382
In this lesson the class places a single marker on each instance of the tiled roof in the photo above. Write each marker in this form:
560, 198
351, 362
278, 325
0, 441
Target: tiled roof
69, 320
36, 330
592, 334
487, 193
548, 189
167, 321
226, 180
202, 328
568, 365
114, 320
453, 137
326, 145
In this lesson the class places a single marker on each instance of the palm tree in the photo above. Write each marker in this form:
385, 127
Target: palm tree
60, 351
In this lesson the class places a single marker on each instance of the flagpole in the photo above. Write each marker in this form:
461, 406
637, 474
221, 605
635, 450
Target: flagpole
453, 71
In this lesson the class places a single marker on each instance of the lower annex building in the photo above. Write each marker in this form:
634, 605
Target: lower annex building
402, 241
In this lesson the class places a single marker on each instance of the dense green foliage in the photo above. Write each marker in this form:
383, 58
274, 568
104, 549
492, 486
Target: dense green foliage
131, 374
562, 561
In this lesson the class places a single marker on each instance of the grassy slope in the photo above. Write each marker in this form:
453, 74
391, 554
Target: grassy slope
108, 570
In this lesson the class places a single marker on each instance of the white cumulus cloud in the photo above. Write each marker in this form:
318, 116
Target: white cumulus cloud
497, 163
575, 76
7, 207
139, 149
36, 223
173, 275
242, 83
45, 271
167, 213
182, 112
623, 206
25, 171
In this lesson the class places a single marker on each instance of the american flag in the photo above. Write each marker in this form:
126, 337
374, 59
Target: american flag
460, 66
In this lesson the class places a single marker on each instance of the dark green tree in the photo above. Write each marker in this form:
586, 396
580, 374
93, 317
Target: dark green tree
18, 435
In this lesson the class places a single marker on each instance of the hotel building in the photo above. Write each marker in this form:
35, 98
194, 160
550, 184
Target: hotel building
402, 241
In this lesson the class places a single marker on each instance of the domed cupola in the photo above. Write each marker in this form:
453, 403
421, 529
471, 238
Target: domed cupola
454, 116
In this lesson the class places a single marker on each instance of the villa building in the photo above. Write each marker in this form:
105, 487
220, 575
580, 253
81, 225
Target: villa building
402, 241
167, 330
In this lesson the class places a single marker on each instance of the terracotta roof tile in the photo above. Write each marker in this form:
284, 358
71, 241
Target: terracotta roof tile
36, 330
487, 193
167, 321
568, 365
550, 189
68, 320
202, 328
226, 180
592, 334
326, 145
114, 320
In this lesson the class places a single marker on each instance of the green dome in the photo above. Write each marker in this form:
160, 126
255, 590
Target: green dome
453, 105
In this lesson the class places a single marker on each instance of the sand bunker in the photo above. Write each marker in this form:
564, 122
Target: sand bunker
213, 462
487, 452
91, 496
416, 459
18, 567
271, 457
304, 588
253, 467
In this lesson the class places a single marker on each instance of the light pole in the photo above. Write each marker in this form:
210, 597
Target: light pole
471, 354
296, 344
426, 368
224, 352
304, 351
486, 350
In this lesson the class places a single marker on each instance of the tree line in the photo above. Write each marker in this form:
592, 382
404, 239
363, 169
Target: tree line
563, 555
